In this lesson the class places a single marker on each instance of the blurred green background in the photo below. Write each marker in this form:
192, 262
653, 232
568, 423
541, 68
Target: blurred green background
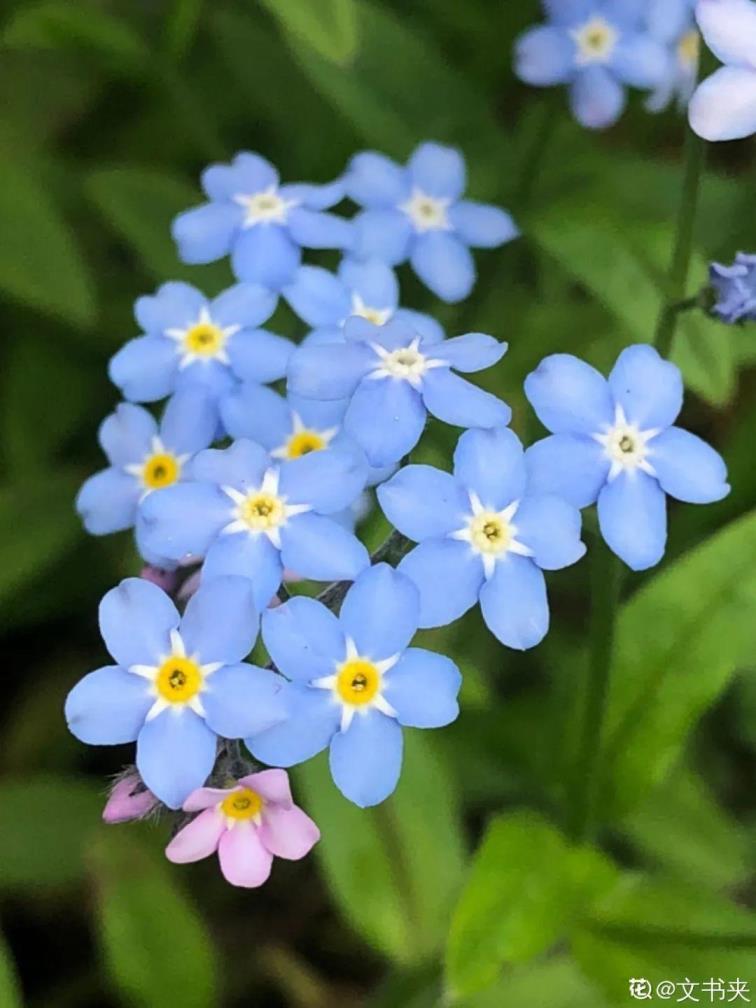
465, 887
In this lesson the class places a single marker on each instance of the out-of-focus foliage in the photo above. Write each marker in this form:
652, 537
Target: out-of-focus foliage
464, 888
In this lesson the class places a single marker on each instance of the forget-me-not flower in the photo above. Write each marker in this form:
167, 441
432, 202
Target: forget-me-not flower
417, 212
614, 442
189, 340
355, 682
483, 535
597, 48
723, 106
393, 376
672, 22
250, 514
261, 223
736, 289
178, 683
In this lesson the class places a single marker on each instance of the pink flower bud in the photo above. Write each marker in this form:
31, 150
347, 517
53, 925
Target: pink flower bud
126, 803
164, 579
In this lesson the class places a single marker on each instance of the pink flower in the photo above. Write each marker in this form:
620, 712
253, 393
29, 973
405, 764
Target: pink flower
125, 802
248, 825
164, 579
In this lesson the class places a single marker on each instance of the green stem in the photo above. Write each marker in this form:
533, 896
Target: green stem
181, 27
605, 589
683, 247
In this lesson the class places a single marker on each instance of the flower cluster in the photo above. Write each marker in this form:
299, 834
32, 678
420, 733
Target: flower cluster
241, 487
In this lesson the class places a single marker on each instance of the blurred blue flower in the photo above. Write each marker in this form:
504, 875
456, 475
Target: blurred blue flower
262, 224
355, 683
190, 341
736, 289
417, 213
672, 22
723, 106
613, 442
178, 682
143, 457
393, 376
483, 536
597, 47
247, 514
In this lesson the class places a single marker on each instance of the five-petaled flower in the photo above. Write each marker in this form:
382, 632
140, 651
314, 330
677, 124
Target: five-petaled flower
613, 442
736, 289
354, 682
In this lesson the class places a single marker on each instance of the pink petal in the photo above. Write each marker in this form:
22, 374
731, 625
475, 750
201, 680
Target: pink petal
204, 797
288, 833
198, 839
123, 804
243, 859
272, 785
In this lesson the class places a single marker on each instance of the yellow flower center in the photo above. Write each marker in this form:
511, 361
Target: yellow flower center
242, 804
204, 339
160, 470
358, 681
427, 213
689, 47
595, 41
262, 511
304, 442
490, 533
179, 679
626, 444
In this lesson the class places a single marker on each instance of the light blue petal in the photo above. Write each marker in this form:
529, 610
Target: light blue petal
471, 352
568, 12
183, 519
375, 181
317, 230
625, 13
220, 621
723, 106
303, 638
259, 356
149, 556
136, 619
107, 502
438, 171
639, 60
126, 435
328, 371
244, 304
444, 265
175, 305
315, 197
401, 414
545, 56
211, 377
249, 556
550, 527
514, 604
265, 254
374, 281
317, 547
380, 612
318, 297
312, 718
422, 688
649, 389
729, 30
257, 412
428, 328
597, 99
189, 422
391, 336
423, 502
448, 575
318, 414
669, 19
247, 174
381, 234
366, 760
491, 463
175, 755
108, 707
457, 401
568, 465
569, 396
242, 700
632, 512
481, 225
687, 468
206, 232
145, 368
242, 465
327, 480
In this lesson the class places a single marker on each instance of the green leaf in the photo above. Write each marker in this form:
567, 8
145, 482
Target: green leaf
155, 945
526, 887
47, 824
328, 26
556, 983
40, 263
10, 991
663, 681
394, 870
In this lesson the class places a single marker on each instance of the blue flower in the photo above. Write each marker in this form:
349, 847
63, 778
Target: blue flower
262, 224
393, 376
190, 341
355, 683
178, 682
143, 457
247, 514
483, 535
672, 23
367, 289
417, 213
736, 289
723, 106
596, 47
613, 442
